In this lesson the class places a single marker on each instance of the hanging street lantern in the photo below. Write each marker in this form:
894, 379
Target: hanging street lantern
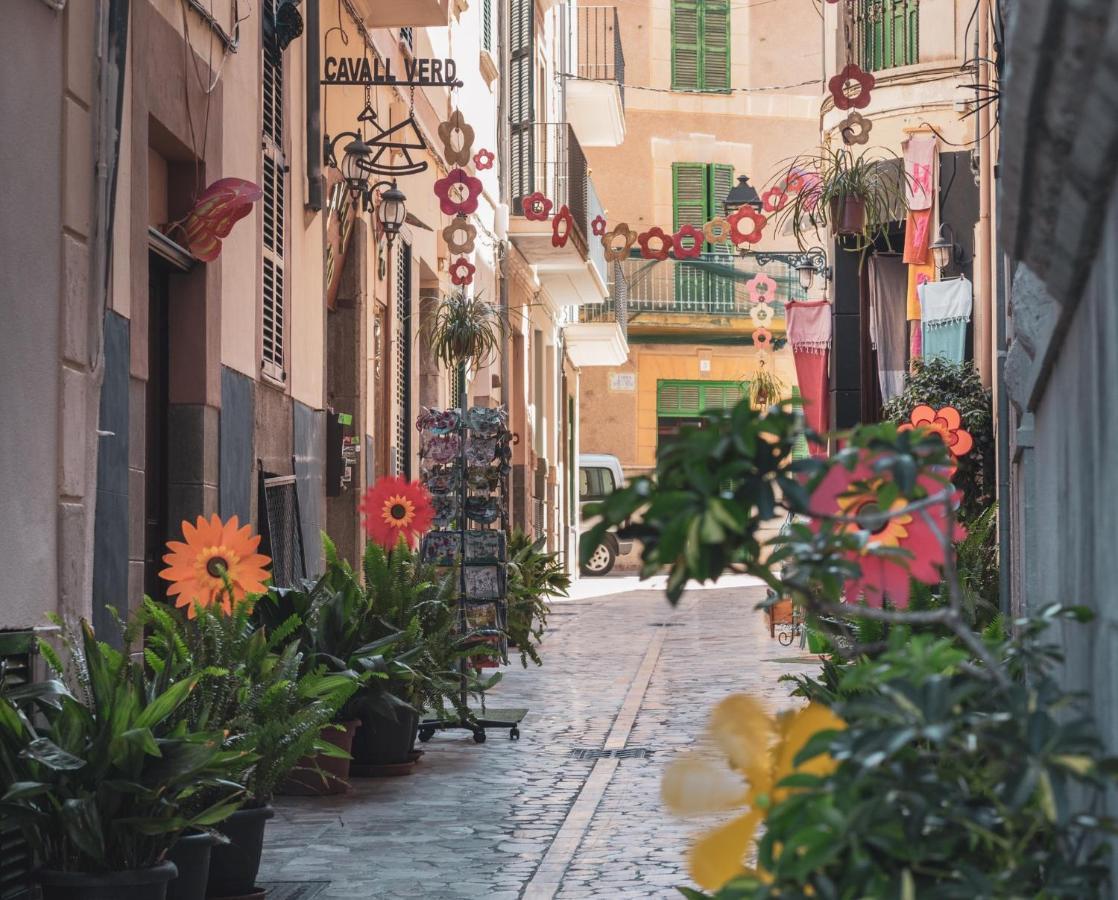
391, 212
742, 194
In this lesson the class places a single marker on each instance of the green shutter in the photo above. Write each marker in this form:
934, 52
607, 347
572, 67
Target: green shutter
687, 399
685, 45
487, 25
799, 449
889, 32
689, 207
715, 55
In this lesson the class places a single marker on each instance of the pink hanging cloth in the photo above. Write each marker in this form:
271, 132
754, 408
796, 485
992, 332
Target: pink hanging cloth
809, 333
920, 170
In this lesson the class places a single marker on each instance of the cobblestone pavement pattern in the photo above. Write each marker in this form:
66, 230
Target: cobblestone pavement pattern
477, 821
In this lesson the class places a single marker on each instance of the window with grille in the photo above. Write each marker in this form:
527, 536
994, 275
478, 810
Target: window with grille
887, 32
274, 205
701, 45
403, 360
16, 651
487, 25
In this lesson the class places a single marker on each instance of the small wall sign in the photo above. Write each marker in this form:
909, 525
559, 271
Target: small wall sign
421, 72
622, 381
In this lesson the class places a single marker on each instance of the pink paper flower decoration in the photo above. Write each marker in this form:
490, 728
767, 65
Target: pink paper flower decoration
774, 199
737, 221
662, 245
762, 289
762, 338
217, 209
561, 227
885, 578
598, 226
945, 422
536, 207
837, 87
483, 159
458, 193
697, 238
462, 271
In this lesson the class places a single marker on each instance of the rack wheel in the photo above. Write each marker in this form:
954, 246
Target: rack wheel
479, 736
785, 638
514, 733
425, 734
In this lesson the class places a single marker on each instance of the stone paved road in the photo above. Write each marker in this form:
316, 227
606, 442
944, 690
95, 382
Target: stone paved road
523, 819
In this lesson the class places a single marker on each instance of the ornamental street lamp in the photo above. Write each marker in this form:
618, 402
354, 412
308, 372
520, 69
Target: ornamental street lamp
742, 194
391, 212
943, 248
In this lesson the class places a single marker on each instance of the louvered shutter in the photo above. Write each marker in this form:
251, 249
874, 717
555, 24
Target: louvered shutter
403, 365
689, 207
686, 45
799, 449
274, 203
715, 43
677, 398
521, 144
720, 288
16, 651
487, 25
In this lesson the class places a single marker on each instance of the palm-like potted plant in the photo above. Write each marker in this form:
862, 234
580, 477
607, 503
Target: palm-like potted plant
855, 196
102, 780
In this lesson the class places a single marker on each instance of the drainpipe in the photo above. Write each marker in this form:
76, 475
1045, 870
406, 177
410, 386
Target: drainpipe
314, 147
984, 239
503, 194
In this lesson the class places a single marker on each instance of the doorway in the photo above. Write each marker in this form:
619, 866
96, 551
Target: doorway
156, 406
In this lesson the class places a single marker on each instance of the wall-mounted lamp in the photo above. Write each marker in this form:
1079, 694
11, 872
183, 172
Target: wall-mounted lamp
391, 212
943, 248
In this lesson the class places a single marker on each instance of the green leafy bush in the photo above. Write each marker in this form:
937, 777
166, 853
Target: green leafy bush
534, 576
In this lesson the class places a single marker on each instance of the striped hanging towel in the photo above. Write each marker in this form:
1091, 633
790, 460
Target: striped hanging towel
945, 310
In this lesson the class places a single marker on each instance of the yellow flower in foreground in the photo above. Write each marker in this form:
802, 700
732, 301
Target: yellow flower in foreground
761, 750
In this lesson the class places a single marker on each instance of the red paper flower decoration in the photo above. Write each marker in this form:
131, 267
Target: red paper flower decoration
774, 199
885, 577
395, 508
662, 247
536, 207
794, 183
561, 227
837, 87
737, 235
458, 193
598, 226
945, 422
462, 271
762, 288
762, 338
696, 248
216, 210
483, 159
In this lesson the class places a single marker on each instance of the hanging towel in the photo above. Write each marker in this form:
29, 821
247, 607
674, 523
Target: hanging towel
945, 310
917, 275
918, 224
888, 327
809, 333
920, 170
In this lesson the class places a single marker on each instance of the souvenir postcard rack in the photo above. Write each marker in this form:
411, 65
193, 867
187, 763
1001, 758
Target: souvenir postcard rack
465, 458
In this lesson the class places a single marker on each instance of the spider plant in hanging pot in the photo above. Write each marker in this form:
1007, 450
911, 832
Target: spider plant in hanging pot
465, 331
765, 389
853, 196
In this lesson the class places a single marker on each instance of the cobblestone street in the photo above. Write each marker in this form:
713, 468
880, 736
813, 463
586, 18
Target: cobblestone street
511, 819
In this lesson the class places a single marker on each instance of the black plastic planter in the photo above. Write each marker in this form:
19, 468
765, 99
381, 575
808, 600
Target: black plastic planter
386, 742
135, 884
233, 866
191, 856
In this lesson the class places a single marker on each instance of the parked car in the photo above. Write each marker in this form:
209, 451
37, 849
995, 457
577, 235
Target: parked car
599, 474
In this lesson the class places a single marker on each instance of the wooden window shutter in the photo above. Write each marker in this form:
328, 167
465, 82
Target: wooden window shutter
274, 204
487, 25
715, 46
403, 366
521, 104
686, 45
689, 194
17, 650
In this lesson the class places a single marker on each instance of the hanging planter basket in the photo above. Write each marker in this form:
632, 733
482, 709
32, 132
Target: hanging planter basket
848, 214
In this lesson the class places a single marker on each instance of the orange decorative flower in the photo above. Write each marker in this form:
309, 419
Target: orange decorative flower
393, 508
213, 552
945, 422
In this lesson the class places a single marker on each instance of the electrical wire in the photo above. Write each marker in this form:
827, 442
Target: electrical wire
657, 90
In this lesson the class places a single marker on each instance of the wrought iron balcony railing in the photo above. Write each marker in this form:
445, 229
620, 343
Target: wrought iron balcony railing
547, 157
598, 42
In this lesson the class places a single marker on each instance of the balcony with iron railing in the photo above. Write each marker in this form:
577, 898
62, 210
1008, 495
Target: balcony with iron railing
596, 87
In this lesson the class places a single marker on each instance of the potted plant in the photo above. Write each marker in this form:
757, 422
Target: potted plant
854, 196
765, 389
102, 785
534, 576
464, 329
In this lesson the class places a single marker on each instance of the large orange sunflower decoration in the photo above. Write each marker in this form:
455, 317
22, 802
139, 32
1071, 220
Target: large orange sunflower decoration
393, 508
215, 564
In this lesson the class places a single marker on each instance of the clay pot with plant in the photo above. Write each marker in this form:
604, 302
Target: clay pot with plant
465, 332
766, 388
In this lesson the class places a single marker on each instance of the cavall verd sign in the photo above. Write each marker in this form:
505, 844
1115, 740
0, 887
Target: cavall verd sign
420, 71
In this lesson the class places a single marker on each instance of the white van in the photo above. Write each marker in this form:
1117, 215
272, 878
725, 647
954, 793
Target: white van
599, 474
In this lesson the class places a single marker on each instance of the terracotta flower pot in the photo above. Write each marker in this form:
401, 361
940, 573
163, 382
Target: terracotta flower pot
234, 866
320, 775
134, 884
850, 218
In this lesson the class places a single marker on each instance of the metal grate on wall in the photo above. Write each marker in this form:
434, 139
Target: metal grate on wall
403, 361
17, 649
274, 205
281, 529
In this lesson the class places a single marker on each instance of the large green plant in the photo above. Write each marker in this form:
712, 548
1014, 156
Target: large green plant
950, 784
534, 576
250, 684
465, 330
104, 781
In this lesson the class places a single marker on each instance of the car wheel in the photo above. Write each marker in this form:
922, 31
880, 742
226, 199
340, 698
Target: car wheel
601, 560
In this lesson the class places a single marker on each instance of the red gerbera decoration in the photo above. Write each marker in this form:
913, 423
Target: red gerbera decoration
837, 86
851, 494
483, 159
395, 508
737, 235
945, 422
561, 227
598, 226
458, 193
774, 199
663, 243
462, 271
536, 207
696, 248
